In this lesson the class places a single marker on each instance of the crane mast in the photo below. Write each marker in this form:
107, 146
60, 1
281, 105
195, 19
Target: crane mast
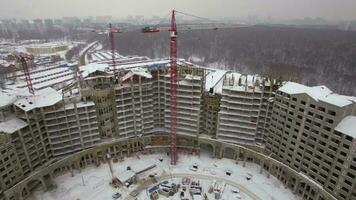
173, 74
27, 74
112, 44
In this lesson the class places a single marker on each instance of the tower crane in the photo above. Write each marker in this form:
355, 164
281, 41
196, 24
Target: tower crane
111, 32
173, 62
174, 75
23, 61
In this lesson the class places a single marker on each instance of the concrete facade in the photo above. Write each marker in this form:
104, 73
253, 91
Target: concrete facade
303, 149
125, 147
303, 136
245, 109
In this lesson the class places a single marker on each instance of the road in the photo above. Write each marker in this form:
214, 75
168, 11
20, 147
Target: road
148, 183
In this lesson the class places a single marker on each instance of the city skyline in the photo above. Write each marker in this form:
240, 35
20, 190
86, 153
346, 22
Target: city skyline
229, 9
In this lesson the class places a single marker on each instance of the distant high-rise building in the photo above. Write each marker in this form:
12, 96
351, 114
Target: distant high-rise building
103, 19
48, 22
58, 22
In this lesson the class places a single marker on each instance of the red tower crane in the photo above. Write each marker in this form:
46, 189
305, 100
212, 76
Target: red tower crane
112, 32
173, 70
174, 73
26, 72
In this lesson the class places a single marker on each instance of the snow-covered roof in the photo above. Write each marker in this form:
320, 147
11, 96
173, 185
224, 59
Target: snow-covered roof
125, 176
137, 71
92, 67
12, 125
321, 93
42, 98
142, 64
48, 45
214, 80
347, 126
6, 99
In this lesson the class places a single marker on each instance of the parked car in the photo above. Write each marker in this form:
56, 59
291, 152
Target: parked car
116, 195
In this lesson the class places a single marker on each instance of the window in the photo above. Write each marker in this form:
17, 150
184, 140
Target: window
322, 109
349, 138
331, 112
327, 128
330, 121
303, 102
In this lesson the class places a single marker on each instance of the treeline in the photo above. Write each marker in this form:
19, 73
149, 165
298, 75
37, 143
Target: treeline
310, 56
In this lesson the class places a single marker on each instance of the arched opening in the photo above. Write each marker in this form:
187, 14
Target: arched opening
32, 188
229, 153
48, 181
206, 149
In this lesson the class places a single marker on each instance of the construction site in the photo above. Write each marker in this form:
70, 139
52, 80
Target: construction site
112, 126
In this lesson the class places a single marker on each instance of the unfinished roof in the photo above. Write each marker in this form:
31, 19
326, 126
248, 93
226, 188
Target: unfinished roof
93, 67
347, 126
137, 71
318, 93
6, 99
42, 98
12, 125
214, 80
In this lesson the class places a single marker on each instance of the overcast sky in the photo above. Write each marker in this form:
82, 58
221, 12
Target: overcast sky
275, 9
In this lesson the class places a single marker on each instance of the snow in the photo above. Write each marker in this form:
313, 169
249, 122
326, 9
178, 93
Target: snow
148, 64
87, 48
126, 175
214, 80
93, 182
42, 98
12, 125
318, 93
6, 99
137, 71
338, 100
92, 67
347, 126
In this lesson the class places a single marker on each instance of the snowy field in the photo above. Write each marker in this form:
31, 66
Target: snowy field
92, 183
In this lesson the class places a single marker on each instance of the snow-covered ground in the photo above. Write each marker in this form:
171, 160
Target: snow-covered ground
93, 182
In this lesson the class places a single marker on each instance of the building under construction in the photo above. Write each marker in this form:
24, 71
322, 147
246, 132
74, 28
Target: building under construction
90, 107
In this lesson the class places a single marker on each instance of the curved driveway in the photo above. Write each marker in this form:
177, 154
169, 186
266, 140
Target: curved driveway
146, 184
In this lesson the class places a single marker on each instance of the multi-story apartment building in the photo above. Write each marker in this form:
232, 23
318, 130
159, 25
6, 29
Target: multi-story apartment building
71, 127
189, 92
245, 109
10, 167
311, 131
306, 128
134, 104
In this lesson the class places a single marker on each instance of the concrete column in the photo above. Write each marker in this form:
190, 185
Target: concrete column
304, 189
214, 152
296, 185
237, 153
245, 159
43, 183
270, 168
97, 162
287, 182
78, 166
317, 196
261, 166
71, 170
221, 151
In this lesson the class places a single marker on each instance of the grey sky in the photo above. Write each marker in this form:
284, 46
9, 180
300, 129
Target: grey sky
276, 9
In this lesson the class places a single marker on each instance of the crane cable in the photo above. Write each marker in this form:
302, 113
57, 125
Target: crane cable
198, 17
